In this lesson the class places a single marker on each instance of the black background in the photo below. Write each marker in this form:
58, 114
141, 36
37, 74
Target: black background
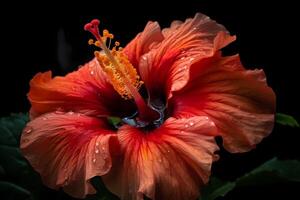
47, 36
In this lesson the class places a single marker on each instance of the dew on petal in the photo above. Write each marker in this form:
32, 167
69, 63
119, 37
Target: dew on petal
70, 112
94, 160
74, 88
28, 130
92, 72
104, 156
186, 125
191, 123
25, 140
59, 111
97, 151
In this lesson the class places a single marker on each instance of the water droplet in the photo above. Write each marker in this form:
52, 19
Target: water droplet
186, 125
97, 151
94, 160
28, 130
183, 68
212, 123
59, 112
25, 140
97, 143
191, 59
103, 148
168, 149
206, 118
144, 57
92, 72
191, 123
104, 156
70, 112
181, 131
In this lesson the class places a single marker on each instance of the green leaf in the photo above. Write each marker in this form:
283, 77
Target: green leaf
11, 128
115, 121
286, 120
24, 181
272, 171
12, 191
102, 192
216, 188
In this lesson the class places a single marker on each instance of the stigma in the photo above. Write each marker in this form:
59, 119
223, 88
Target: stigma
118, 69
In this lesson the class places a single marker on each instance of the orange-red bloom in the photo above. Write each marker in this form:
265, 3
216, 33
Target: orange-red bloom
173, 92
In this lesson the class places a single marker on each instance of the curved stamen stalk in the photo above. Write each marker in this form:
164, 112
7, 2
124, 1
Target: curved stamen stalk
122, 75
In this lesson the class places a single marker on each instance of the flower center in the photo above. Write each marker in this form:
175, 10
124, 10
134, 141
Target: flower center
119, 71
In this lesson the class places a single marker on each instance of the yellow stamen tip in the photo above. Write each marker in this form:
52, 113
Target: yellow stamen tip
111, 36
91, 41
98, 44
120, 72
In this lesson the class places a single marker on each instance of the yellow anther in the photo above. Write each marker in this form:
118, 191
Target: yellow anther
91, 41
105, 33
97, 43
111, 36
120, 72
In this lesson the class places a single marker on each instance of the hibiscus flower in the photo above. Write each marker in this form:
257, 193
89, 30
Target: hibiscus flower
170, 92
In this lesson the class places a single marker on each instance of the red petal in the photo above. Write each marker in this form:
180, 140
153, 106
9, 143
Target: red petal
143, 42
184, 44
238, 101
172, 162
86, 91
68, 150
